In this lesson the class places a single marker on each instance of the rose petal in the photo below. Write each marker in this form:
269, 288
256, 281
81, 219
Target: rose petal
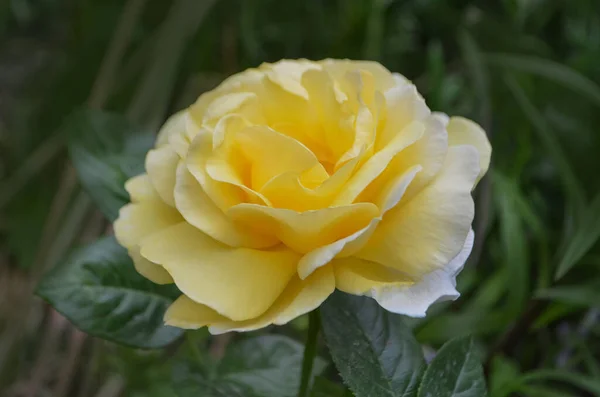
187, 314
305, 231
161, 164
239, 283
378, 163
140, 188
439, 285
272, 153
153, 272
360, 277
200, 211
175, 124
426, 232
346, 246
462, 131
288, 191
299, 297
429, 152
404, 105
139, 220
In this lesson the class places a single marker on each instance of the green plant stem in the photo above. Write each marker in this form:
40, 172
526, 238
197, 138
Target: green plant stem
310, 351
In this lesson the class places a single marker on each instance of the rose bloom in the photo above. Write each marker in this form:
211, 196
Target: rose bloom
296, 178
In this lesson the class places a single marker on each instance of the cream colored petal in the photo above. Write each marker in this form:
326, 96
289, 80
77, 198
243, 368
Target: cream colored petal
346, 246
153, 272
187, 314
239, 283
161, 165
139, 220
394, 191
353, 243
200, 211
299, 297
463, 131
429, 152
227, 103
180, 140
339, 67
288, 74
426, 232
360, 277
140, 189
378, 163
439, 285
176, 124
404, 105
305, 231
227, 127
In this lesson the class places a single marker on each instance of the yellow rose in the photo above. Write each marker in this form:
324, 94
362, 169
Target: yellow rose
299, 177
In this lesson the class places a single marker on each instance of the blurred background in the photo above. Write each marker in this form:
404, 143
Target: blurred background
527, 70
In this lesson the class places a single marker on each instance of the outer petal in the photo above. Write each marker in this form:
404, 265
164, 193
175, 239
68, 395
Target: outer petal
161, 164
388, 199
323, 255
288, 74
140, 188
359, 277
426, 232
187, 314
299, 297
429, 152
462, 131
305, 231
439, 285
139, 220
338, 68
403, 106
200, 211
239, 283
153, 272
175, 124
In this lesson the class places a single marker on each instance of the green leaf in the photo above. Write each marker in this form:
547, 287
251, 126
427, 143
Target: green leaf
106, 150
502, 373
99, 290
264, 366
554, 71
587, 232
548, 138
455, 371
374, 351
323, 387
578, 380
585, 294
514, 242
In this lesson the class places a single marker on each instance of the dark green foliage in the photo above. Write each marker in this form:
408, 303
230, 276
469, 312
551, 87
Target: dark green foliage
374, 351
264, 366
98, 289
106, 151
454, 372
